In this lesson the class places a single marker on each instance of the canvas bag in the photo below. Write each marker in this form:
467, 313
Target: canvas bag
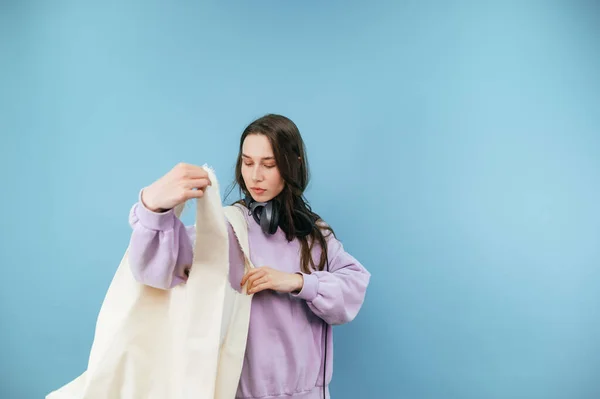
184, 343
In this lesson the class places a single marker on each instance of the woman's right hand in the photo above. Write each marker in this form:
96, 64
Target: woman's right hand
180, 184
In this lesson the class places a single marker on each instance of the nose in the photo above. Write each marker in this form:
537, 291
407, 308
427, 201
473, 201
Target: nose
256, 174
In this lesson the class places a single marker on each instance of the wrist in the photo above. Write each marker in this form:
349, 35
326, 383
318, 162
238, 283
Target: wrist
148, 204
298, 282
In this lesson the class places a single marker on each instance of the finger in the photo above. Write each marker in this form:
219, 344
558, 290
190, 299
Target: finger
252, 279
257, 282
245, 277
198, 183
196, 171
248, 275
259, 288
255, 276
194, 194
192, 171
195, 188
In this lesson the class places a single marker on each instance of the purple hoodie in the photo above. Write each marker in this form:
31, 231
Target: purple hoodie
285, 348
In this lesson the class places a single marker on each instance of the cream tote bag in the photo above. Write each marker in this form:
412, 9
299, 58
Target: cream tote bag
184, 343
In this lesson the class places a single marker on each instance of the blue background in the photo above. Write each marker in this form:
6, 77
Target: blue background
455, 149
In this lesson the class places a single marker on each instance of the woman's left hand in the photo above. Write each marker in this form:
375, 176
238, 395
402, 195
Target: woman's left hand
263, 278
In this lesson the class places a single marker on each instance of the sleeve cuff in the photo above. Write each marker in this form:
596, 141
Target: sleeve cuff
310, 288
160, 221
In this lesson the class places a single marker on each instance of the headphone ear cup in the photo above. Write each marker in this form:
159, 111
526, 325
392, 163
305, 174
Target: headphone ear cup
255, 209
274, 217
269, 218
265, 214
264, 218
255, 214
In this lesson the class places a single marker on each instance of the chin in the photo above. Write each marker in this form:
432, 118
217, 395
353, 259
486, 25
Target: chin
264, 197
261, 197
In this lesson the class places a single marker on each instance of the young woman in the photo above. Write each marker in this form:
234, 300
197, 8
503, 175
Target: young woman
304, 281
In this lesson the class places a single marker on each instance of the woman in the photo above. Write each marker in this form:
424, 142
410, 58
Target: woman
304, 282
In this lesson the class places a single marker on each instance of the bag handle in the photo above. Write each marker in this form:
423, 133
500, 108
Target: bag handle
240, 228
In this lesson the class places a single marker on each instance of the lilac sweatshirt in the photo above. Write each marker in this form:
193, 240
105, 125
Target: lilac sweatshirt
285, 347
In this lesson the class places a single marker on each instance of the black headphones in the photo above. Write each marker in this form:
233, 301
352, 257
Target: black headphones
266, 214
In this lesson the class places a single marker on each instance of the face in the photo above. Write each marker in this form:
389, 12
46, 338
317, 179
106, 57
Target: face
259, 169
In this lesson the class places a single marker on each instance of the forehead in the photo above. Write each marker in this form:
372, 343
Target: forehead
257, 146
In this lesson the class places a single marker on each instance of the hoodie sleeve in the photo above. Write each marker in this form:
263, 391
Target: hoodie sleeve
336, 295
160, 248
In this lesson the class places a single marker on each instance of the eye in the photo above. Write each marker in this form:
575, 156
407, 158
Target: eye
270, 166
248, 163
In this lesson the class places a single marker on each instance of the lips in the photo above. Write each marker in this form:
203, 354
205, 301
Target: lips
258, 190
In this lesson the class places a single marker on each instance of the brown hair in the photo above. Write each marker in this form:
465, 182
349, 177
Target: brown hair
290, 157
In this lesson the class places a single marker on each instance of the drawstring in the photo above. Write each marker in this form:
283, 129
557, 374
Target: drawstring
325, 357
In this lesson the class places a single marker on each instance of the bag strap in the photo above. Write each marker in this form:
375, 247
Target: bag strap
240, 228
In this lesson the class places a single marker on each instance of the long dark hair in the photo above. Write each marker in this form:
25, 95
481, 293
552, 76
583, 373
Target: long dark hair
290, 157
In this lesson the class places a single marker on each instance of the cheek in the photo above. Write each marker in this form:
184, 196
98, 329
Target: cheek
245, 174
275, 180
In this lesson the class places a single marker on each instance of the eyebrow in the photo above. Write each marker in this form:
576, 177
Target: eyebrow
264, 158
